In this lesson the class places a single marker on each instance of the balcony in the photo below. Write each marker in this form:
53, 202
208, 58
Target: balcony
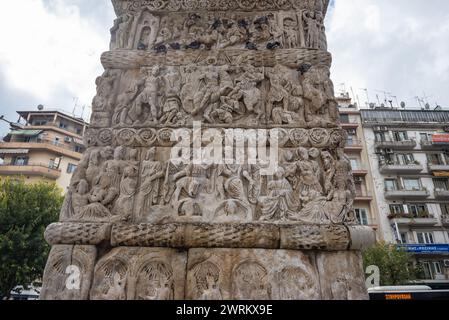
430, 145
55, 147
349, 124
353, 145
392, 168
30, 169
423, 219
438, 167
363, 197
359, 172
406, 194
406, 144
442, 194
445, 220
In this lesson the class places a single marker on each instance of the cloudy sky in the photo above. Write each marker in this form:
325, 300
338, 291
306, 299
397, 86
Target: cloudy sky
50, 50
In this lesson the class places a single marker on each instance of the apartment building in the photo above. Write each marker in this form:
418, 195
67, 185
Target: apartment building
408, 152
365, 202
43, 145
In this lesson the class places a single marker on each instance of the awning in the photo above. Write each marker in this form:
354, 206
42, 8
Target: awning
14, 151
29, 133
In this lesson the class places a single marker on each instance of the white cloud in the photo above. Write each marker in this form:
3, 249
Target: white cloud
398, 46
51, 51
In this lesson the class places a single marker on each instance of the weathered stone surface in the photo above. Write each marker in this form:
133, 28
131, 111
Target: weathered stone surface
248, 71
341, 275
315, 237
69, 272
78, 233
241, 274
361, 237
140, 274
149, 235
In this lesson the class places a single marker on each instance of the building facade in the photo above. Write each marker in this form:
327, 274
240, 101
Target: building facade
408, 153
365, 204
43, 146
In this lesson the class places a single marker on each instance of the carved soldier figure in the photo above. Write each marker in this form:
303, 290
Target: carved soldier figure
151, 174
148, 99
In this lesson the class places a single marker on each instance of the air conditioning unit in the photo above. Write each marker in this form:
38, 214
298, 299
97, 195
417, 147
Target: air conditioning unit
446, 263
376, 128
383, 128
389, 151
68, 139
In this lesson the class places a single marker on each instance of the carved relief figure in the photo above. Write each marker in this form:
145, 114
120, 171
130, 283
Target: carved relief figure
280, 203
249, 282
297, 284
207, 278
110, 281
146, 106
151, 175
128, 185
309, 182
155, 282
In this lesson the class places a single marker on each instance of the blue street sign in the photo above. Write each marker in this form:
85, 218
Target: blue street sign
425, 248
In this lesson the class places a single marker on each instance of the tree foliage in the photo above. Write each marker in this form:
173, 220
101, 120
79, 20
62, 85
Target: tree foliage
25, 211
396, 267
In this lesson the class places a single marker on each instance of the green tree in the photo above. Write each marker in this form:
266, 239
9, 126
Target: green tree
396, 267
25, 212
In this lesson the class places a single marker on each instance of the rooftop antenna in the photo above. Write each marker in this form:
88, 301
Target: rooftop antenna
82, 113
367, 96
378, 100
396, 99
419, 101
75, 100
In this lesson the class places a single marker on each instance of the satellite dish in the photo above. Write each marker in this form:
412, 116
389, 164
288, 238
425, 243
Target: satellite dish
40, 107
427, 106
403, 104
382, 105
372, 105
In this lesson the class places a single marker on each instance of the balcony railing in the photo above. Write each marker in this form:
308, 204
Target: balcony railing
390, 167
403, 193
437, 167
405, 144
40, 169
353, 144
441, 194
42, 144
423, 219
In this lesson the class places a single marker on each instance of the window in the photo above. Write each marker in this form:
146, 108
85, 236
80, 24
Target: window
396, 209
63, 125
71, 168
425, 137
405, 158
445, 209
56, 141
441, 184
20, 161
434, 159
391, 185
425, 237
362, 216
344, 118
79, 131
355, 164
400, 135
404, 237
380, 136
418, 210
412, 184
78, 149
